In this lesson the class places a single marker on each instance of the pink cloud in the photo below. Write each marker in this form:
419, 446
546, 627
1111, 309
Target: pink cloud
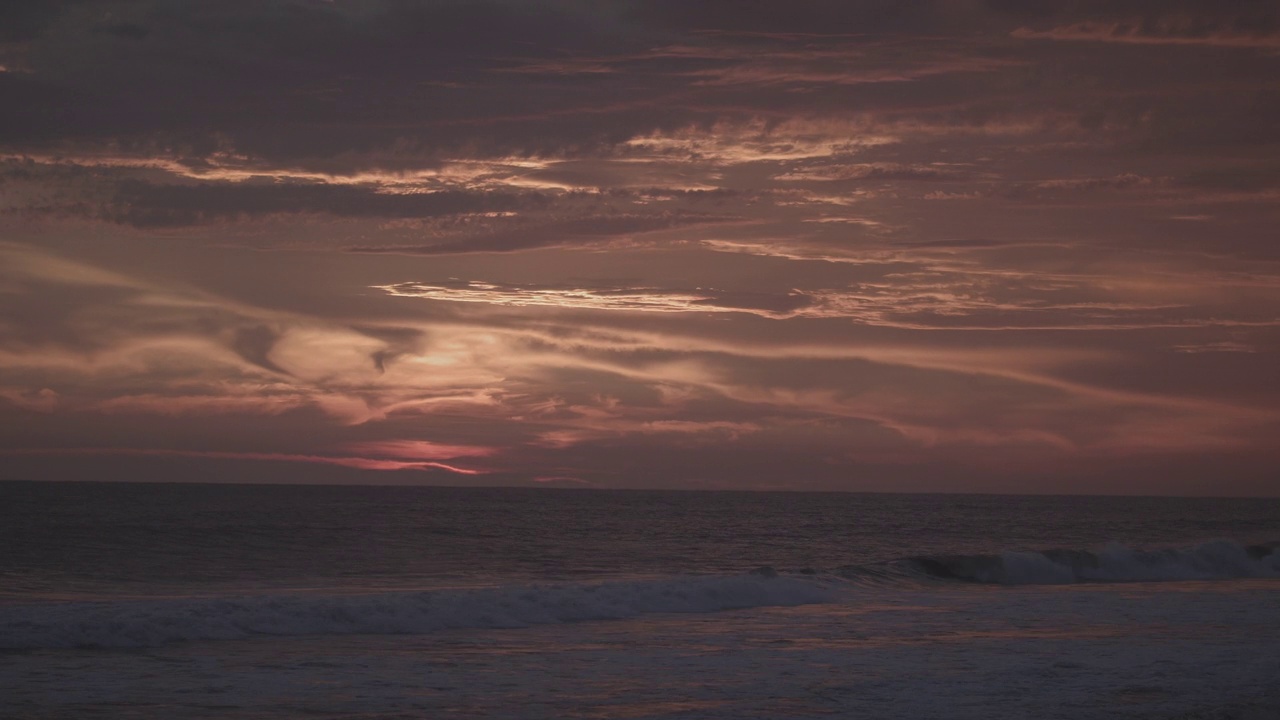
359, 463
419, 450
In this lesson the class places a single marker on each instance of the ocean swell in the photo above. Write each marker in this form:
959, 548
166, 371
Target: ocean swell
153, 623
1217, 560
157, 622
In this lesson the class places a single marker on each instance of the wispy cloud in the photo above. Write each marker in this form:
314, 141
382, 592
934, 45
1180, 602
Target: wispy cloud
634, 243
358, 463
1169, 30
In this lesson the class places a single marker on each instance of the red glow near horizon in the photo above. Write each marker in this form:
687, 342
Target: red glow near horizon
359, 463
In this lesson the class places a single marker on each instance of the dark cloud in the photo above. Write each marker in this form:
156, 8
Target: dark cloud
254, 344
1068, 187
803, 16
148, 205
1240, 177
21, 21
295, 79
398, 342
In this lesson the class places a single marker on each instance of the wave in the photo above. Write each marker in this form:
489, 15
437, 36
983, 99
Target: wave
153, 623
1217, 560
158, 622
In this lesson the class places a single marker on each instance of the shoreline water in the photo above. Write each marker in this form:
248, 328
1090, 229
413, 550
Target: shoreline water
275, 602
1147, 650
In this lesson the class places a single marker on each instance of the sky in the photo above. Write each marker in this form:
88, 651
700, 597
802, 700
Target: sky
873, 245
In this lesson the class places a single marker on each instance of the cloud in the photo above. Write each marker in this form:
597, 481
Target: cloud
714, 243
872, 171
358, 463
631, 298
1168, 30
929, 299
149, 205
819, 71
1231, 346
418, 450
756, 141
580, 231
1058, 187
574, 394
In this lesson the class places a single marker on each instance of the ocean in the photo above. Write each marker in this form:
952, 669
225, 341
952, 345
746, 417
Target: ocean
121, 600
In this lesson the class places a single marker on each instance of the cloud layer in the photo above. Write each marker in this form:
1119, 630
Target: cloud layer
813, 244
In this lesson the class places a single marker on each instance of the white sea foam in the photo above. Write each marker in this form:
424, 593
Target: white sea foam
953, 651
153, 623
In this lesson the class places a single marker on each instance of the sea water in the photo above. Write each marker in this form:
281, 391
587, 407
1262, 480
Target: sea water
229, 601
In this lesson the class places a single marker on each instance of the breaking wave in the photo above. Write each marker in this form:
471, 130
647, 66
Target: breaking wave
157, 622
152, 623
1220, 559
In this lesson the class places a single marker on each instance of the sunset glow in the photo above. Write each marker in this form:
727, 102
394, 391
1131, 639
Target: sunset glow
852, 246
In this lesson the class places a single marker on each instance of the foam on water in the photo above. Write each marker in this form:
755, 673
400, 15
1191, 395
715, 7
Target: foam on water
153, 623
157, 622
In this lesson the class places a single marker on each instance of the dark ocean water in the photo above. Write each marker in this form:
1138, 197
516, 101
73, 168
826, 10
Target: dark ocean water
113, 538
273, 602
